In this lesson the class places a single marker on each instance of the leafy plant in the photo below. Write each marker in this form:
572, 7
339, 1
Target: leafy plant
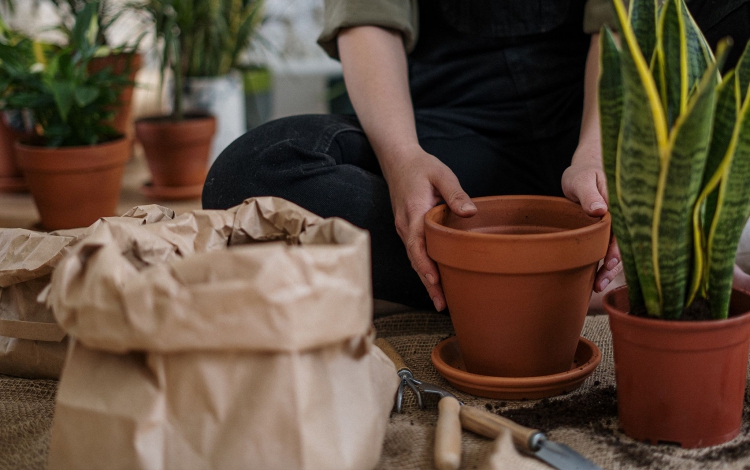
676, 149
201, 38
68, 105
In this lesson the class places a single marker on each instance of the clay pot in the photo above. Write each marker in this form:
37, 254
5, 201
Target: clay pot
680, 382
74, 186
11, 177
177, 152
517, 278
120, 64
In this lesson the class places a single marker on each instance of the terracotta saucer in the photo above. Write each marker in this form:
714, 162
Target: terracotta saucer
446, 357
13, 184
172, 193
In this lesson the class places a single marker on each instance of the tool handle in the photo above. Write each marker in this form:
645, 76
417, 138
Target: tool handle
448, 435
392, 354
491, 425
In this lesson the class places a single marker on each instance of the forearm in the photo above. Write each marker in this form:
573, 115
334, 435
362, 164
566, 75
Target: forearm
589, 142
375, 71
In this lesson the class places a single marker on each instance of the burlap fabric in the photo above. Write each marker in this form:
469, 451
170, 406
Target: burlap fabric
586, 419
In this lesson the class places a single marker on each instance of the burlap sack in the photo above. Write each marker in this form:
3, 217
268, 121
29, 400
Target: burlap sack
197, 346
32, 345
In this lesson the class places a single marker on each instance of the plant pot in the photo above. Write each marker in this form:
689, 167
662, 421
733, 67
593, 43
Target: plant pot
517, 278
74, 186
177, 154
120, 63
680, 382
11, 176
222, 97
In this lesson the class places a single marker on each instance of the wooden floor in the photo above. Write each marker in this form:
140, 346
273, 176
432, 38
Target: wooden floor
18, 210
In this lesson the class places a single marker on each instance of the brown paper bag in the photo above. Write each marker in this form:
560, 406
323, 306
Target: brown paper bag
31, 342
221, 339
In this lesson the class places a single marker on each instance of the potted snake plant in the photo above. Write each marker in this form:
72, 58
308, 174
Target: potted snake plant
75, 160
676, 151
202, 41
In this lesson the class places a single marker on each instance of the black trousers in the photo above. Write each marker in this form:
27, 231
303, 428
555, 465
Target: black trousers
325, 164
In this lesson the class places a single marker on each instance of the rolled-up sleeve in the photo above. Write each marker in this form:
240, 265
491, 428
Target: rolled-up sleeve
599, 13
399, 15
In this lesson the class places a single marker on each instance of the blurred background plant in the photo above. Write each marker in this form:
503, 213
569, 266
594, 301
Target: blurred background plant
68, 104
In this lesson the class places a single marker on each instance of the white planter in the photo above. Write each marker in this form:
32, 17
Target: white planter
224, 97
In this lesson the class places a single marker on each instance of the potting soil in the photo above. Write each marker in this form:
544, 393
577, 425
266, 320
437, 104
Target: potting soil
585, 419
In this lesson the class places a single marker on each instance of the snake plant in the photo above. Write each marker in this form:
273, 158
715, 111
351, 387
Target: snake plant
676, 152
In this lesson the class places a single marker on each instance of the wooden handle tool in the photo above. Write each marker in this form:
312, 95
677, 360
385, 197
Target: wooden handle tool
448, 435
491, 425
392, 354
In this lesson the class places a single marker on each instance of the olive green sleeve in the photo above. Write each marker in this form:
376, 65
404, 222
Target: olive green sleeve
597, 14
400, 15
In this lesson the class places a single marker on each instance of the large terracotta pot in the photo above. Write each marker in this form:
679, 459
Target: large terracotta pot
11, 177
517, 278
177, 153
680, 382
74, 186
120, 64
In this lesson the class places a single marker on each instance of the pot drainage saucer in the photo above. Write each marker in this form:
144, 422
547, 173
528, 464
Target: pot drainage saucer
446, 357
13, 184
172, 193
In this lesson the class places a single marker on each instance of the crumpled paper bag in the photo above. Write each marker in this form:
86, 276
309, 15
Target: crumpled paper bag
220, 339
32, 345
504, 456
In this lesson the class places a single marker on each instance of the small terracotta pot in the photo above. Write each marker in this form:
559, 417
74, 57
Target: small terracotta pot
120, 63
517, 278
177, 151
11, 177
680, 382
74, 186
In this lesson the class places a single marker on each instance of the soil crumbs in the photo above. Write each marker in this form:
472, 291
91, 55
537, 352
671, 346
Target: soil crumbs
596, 413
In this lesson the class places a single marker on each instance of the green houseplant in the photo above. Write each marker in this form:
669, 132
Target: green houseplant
676, 152
75, 159
201, 41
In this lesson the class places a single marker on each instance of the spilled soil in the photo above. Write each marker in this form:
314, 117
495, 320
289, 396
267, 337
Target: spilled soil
596, 413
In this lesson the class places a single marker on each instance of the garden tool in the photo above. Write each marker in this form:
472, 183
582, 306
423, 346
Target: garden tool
484, 423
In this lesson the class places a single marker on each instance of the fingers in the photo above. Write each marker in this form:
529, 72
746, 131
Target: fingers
422, 264
450, 190
741, 279
610, 268
588, 187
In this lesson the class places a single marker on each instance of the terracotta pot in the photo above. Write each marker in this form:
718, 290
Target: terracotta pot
11, 177
74, 186
120, 63
177, 151
680, 382
517, 278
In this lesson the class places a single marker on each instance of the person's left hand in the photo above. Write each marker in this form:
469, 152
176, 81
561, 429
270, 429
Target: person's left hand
741, 279
584, 182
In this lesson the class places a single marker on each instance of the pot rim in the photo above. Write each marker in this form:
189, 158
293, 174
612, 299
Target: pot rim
576, 232
45, 149
678, 325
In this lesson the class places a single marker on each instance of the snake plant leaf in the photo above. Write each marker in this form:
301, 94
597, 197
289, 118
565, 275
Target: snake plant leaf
678, 190
643, 20
699, 55
610, 112
725, 117
643, 140
743, 73
732, 210
673, 50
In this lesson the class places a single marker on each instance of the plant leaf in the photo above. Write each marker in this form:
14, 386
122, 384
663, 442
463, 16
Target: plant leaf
85, 95
673, 49
64, 94
731, 214
643, 19
743, 73
678, 191
610, 116
643, 141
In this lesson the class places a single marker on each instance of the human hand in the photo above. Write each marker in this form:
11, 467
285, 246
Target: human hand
584, 182
417, 181
741, 279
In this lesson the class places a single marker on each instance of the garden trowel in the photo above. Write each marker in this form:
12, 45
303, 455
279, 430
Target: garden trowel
484, 423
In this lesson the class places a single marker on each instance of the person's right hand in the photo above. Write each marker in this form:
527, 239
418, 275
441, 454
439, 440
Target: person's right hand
418, 181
